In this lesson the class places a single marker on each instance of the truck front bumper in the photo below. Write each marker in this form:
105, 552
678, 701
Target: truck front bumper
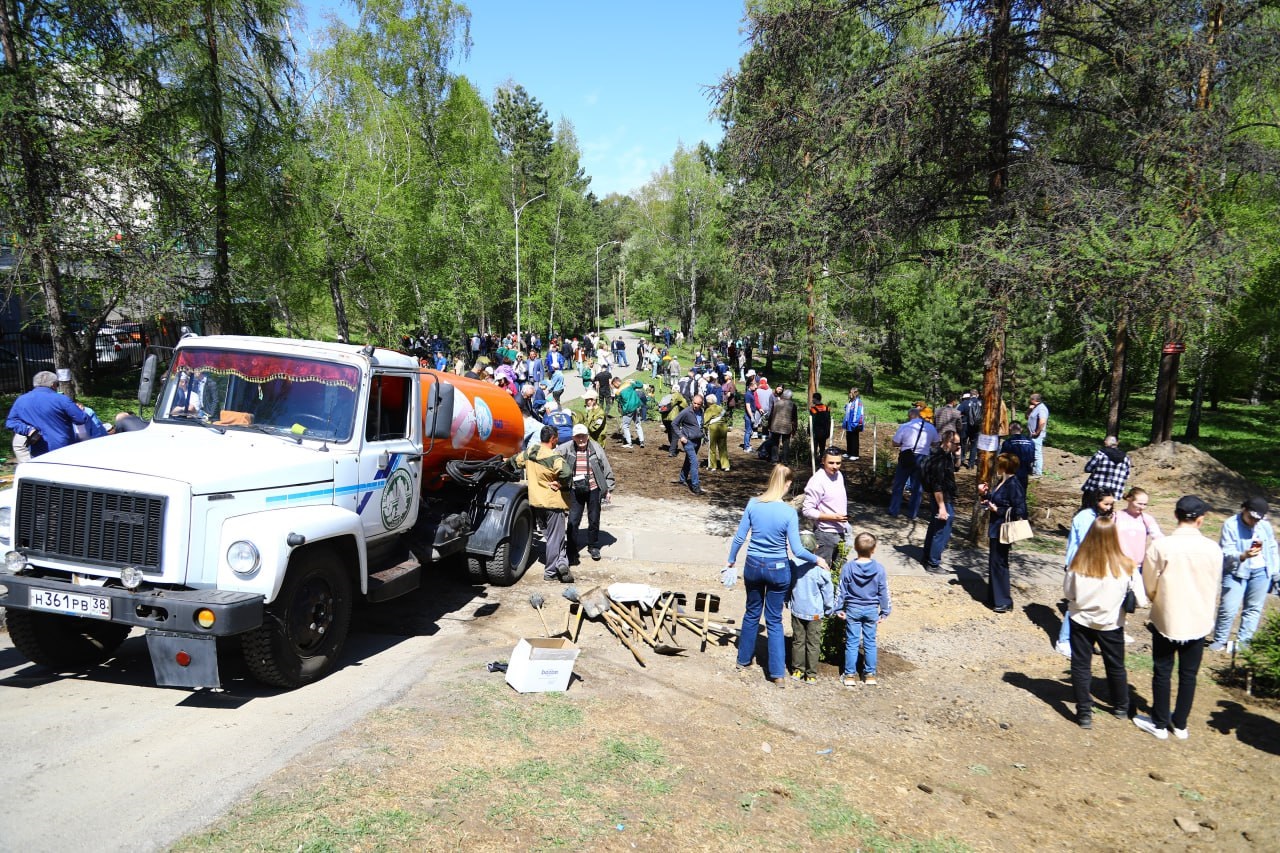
158, 609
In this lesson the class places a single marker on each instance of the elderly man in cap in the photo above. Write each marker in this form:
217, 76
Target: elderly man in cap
1181, 575
549, 478
42, 419
1250, 563
592, 484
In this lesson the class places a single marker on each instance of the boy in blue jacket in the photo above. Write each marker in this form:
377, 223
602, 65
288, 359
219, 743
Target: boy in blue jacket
812, 598
863, 602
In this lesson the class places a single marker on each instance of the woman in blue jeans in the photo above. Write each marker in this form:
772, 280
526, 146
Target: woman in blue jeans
773, 525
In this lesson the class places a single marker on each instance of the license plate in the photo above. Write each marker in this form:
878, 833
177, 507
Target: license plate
71, 603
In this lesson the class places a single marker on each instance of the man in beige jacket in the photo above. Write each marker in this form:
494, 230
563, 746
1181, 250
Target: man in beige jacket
1182, 575
550, 479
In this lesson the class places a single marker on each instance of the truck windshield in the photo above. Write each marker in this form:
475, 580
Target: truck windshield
298, 396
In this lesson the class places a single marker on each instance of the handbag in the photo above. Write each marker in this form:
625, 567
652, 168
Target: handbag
1014, 531
1130, 599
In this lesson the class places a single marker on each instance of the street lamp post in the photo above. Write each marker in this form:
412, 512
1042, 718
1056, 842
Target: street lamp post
598, 248
519, 210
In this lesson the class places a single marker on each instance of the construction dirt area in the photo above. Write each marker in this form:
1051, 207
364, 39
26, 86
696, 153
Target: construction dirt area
967, 743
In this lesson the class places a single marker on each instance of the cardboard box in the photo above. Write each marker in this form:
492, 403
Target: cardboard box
541, 664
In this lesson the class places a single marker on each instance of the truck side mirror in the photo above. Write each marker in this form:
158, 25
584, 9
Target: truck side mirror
147, 381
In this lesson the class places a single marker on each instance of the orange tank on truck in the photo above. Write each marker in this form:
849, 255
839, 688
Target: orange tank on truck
485, 422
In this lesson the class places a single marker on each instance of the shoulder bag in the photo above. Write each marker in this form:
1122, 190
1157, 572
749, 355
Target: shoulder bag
1014, 531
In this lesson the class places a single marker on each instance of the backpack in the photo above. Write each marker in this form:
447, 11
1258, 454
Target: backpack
973, 413
664, 405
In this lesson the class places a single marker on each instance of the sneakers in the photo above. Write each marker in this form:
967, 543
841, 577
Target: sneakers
849, 680
870, 680
594, 552
1149, 726
780, 683
1181, 734
1063, 648
813, 679
1128, 641
798, 675
1084, 721
1217, 647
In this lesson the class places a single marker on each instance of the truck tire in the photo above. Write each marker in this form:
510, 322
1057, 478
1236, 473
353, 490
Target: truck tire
511, 557
305, 628
64, 642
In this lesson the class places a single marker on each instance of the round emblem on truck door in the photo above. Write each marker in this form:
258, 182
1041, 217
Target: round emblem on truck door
397, 496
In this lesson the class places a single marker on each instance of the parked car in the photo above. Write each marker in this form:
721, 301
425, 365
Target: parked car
117, 346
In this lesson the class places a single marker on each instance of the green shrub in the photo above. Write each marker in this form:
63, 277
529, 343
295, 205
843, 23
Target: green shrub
1263, 656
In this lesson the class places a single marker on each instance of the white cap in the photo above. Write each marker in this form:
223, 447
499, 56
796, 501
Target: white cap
579, 429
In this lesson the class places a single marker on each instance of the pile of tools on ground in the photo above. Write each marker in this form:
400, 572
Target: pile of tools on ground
640, 615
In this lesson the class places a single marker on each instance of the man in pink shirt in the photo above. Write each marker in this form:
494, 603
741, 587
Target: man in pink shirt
826, 504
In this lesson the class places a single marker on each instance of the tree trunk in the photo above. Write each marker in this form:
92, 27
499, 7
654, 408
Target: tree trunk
811, 329
1260, 377
224, 310
1115, 397
1192, 431
339, 304
1166, 387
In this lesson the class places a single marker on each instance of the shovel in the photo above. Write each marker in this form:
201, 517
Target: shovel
595, 601
659, 647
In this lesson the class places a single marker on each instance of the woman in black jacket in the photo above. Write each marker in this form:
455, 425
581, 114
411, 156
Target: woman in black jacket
1007, 502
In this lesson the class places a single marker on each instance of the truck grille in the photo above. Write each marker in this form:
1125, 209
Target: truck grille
96, 526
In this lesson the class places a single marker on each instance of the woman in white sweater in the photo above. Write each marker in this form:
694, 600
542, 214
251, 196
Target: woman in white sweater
1095, 586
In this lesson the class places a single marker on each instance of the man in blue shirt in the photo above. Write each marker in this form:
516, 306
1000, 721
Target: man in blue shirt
1250, 563
1025, 449
914, 441
42, 419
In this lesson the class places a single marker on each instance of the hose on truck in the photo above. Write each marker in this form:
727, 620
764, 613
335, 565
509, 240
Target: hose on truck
479, 472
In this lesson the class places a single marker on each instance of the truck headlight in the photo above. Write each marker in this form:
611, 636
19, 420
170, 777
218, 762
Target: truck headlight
243, 557
14, 562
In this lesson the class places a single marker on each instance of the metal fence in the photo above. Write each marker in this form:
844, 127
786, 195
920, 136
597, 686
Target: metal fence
117, 347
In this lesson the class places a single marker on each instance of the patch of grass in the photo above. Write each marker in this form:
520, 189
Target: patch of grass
1138, 662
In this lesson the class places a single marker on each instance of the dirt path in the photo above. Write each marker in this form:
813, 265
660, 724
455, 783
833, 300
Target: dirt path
967, 742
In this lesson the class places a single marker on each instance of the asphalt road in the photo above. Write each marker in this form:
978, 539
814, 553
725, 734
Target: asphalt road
105, 760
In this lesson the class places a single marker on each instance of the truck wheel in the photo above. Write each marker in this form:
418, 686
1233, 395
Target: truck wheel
512, 556
64, 642
305, 628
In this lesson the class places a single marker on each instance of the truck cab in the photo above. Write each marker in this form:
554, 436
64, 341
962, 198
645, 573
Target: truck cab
278, 481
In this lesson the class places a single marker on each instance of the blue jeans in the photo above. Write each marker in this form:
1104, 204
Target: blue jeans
689, 471
860, 630
1038, 468
937, 536
767, 581
627, 421
905, 477
1252, 591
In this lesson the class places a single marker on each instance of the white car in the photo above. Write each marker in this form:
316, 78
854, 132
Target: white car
116, 346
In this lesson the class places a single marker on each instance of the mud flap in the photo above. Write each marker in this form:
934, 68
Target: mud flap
184, 660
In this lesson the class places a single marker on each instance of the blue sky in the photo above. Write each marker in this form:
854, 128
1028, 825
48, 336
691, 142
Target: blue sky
630, 77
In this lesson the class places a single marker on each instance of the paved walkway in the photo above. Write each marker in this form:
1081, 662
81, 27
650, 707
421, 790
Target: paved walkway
573, 388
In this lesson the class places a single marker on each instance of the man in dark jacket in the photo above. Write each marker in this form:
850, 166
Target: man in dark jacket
1023, 448
688, 430
938, 480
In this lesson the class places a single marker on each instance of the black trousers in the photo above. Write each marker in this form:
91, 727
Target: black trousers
851, 442
592, 507
1111, 646
998, 593
1189, 654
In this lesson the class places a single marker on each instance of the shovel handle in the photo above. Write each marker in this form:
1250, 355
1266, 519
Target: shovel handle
611, 622
626, 616
661, 618
545, 630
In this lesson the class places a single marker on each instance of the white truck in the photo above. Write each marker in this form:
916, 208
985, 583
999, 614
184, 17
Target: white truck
278, 481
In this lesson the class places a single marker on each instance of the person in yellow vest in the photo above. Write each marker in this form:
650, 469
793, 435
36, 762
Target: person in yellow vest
716, 418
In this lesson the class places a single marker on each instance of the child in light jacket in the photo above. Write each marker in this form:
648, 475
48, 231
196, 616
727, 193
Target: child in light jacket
812, 599
863, 602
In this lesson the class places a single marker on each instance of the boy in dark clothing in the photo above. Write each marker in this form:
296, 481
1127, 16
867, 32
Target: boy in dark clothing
863, 602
